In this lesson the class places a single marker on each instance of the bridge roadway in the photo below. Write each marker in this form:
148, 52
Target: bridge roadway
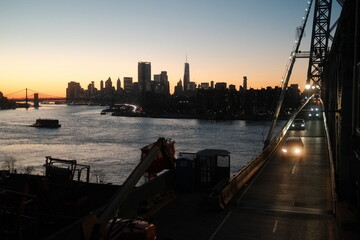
291, 198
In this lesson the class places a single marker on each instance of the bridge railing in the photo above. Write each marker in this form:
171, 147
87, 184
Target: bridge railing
331, 162
248, 171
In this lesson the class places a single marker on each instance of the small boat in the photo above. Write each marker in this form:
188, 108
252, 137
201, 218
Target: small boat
46, 123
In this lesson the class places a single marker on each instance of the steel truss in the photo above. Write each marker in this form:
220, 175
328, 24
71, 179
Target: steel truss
319, 40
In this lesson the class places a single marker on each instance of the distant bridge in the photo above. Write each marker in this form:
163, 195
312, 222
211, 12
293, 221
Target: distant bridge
30, 96
31, 99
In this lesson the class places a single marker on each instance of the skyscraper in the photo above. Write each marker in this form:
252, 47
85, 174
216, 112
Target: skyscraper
221, 86
73, 91
186, 77
101, 85
118, 84
164, 82
91, 89
157, 78
178, 88
144, 76
245, 83
108, 84
163, 77
128, 81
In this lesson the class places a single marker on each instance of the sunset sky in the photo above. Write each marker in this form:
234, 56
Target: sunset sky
45, 44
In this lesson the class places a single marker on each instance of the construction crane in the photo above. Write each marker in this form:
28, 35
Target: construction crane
107, 224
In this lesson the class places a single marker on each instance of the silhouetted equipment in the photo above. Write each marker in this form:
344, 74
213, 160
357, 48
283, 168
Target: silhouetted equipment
64, 171
165, 158
132, 229
212, 165
155, 157
202, 170
185, 174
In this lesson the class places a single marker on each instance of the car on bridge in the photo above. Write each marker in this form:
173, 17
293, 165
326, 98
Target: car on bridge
314, 112
293, 146
298, 124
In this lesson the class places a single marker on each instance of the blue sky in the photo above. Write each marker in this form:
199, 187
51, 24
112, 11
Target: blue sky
46, 44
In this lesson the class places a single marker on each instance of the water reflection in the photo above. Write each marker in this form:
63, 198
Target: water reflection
112, 143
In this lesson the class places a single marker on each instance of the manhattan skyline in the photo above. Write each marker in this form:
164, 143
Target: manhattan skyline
46, 44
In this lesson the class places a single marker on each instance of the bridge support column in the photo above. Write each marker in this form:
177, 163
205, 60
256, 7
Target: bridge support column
36, 100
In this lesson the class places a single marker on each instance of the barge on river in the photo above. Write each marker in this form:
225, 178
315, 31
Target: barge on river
46, 123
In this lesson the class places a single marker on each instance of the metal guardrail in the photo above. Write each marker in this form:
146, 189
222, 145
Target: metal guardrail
331, 162
248, 171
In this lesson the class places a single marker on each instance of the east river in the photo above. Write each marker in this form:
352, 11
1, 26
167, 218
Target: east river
112, 144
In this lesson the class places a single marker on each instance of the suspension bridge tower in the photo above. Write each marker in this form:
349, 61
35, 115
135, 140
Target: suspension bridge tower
319, 42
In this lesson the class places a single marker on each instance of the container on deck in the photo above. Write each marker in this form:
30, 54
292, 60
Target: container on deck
211, 166
185, 174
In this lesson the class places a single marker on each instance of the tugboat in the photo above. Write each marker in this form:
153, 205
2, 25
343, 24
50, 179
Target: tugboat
46, 123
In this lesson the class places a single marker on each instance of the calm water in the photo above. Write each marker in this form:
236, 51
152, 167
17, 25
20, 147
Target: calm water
112, 144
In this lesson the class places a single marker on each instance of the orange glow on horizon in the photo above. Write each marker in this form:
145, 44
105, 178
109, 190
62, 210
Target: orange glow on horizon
53, 81
58, 88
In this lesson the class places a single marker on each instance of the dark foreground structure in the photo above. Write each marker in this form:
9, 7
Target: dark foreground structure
341, 94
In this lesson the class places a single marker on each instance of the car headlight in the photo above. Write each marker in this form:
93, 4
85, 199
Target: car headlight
284, 150
317, 114
293, 125
309, 114
297, 150
303, 125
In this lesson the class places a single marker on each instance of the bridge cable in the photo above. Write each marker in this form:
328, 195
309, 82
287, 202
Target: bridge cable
288, 74
44, 93
15, 92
